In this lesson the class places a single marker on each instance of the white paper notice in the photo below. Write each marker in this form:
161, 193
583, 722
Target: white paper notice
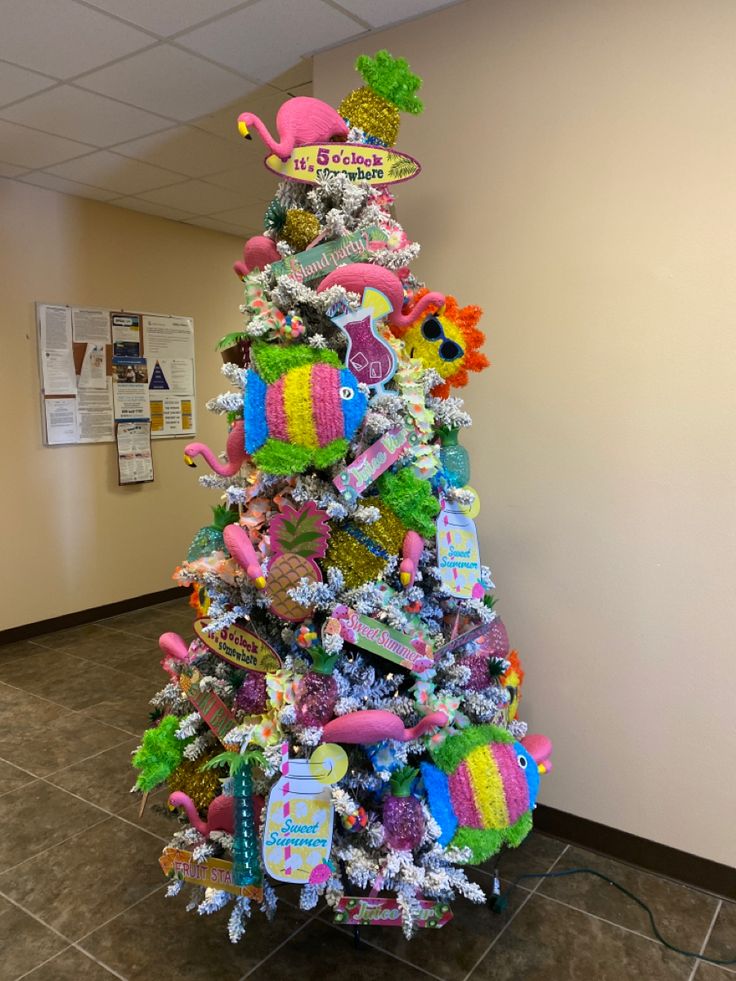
175, 375
94, 413
126, 335
135, 462
130, 389
61, 421
168, 337
91, 325
93, 367
55, 349
171, 415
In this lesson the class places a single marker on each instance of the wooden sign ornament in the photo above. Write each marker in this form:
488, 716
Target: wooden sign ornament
318, 261
240, 646
368, 467
378, 638
212, 873
379, 911
374, 165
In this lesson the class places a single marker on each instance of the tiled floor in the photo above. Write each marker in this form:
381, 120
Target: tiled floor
81, 894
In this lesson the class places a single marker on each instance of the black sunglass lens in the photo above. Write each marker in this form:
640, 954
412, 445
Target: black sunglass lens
450, 351
432, 329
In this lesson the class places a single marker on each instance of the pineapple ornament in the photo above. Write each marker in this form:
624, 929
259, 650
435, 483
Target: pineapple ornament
298, 537
295, 226
403, 818
209, 539
390, 88
317, 693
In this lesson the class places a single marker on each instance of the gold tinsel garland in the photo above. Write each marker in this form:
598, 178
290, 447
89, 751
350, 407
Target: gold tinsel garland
201, 785
352, 553
300, 228
370, 112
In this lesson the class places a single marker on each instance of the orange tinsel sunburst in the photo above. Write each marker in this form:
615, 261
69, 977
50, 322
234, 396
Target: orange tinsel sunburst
448, 340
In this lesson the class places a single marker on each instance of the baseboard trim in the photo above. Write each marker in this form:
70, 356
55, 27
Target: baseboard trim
27, 630
651, 855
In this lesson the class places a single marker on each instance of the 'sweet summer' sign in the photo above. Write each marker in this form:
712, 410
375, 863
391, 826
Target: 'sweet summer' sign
378, 638
376, 165
239, 646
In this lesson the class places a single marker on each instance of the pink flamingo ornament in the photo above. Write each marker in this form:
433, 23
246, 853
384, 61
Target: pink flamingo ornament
241, 548
411, 554
220, 814
299, 121
174, 648
375, 725
539, 748
258, 251
359, 275
234, 447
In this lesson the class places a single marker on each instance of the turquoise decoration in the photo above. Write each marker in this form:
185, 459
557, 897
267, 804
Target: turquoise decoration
454, 458
246, 867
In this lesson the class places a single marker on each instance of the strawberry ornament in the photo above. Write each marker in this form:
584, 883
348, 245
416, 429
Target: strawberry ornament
403, 818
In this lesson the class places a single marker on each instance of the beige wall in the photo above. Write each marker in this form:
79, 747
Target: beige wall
72, 539
578, 183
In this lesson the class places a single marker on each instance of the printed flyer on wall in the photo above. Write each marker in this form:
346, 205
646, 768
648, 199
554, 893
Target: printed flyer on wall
130, 389
135, 461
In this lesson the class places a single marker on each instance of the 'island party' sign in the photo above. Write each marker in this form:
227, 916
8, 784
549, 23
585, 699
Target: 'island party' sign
322, 259
376, 165
239, 646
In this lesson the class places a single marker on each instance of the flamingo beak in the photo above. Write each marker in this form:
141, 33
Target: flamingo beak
243, 129
189, 461
260, 582
405, 578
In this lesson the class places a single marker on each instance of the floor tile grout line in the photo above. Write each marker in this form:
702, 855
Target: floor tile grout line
48, 960
513, 917
38, 919
704, 944
86, 759
104, 810
102, 964
69, 711
389, 953
110, 919
275, 950
56, 844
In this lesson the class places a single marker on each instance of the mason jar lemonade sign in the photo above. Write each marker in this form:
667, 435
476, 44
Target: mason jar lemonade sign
298, 830
458, 554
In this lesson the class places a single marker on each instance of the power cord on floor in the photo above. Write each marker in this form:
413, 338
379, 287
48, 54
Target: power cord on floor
500, 902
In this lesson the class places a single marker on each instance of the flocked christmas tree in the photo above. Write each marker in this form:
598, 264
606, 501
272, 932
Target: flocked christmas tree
348, 659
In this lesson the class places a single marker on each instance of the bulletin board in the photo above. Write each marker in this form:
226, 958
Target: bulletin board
100, 369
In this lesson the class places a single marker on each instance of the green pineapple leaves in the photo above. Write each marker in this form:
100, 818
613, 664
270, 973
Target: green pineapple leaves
392, 79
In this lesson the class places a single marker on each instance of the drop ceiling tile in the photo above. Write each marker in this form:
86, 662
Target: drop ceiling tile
263, 101
81, 115
53, 183
111, 171
10, 170
252, 181
151, 208
63, 38
221, 226
17, 83
165, 17
256, 41
196, 197
190, 151
300, 74
30, 148
168, 81
380, 13
247, 216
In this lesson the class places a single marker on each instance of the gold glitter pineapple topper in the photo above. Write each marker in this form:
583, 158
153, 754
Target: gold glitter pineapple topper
390, 88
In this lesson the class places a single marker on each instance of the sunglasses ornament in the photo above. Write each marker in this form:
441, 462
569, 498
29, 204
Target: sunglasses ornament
447, 339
